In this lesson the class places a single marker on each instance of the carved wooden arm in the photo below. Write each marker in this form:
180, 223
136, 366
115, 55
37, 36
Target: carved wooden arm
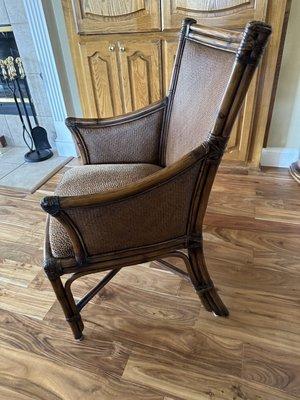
150, 211
130, 138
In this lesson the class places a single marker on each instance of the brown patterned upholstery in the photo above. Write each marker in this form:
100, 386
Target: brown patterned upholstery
132, 142
91, 179
204, 74
116, 228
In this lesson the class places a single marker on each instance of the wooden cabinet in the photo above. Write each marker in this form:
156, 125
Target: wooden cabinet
124, 51
119, 76
114, 16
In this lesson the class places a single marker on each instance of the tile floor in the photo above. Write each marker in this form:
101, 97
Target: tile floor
16, 173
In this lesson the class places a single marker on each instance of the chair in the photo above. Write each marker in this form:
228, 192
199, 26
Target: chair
143, 191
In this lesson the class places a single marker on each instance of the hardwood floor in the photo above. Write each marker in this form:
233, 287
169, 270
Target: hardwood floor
147, 335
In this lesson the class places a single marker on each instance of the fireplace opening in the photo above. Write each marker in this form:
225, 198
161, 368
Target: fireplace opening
8, 48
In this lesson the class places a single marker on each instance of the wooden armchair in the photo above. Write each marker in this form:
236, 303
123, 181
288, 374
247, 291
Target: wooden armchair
143, 190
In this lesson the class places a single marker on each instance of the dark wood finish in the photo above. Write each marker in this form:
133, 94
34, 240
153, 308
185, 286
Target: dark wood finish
248, 53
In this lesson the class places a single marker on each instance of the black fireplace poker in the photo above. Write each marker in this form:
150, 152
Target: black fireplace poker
12, 72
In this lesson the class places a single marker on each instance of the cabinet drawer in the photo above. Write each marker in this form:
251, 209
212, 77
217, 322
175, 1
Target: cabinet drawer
115, 16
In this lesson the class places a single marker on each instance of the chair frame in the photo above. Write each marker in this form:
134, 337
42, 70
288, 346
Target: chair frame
248, 46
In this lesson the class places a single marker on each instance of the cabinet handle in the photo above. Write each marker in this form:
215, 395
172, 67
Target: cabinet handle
121, 48
111, 47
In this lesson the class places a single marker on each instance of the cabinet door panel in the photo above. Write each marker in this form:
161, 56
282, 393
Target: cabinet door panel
115, 16
140, 67
100, 79
169, 53
238, 145
222, 13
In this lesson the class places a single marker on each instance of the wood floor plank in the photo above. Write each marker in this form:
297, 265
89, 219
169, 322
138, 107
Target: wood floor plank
192, 383
149, 306
188, 345
17, 273
247, 223
97, 354
278, 261
272, 367
8, 392
268, 241
256, 319
256, 276
231, 204
41, 378
19, 252
25, 301
177, 379
267, 210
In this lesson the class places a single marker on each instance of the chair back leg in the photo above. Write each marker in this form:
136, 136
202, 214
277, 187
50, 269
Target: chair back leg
198, 275
203, 283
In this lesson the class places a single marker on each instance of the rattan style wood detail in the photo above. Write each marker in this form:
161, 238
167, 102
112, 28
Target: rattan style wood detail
202, 162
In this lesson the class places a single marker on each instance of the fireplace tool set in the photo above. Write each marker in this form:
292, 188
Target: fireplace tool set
12, 74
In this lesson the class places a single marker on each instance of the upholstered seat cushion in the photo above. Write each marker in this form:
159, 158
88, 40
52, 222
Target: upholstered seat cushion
90, 179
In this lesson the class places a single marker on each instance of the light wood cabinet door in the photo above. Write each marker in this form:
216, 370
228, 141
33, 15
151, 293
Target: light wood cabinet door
140, 70
100, 84
119, 76
240, 137
223, 13
115, 16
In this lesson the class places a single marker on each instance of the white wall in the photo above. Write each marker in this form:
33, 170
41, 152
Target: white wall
284, 135
61, 49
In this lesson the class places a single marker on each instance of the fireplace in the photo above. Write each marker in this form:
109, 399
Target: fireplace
8, 48
52, 88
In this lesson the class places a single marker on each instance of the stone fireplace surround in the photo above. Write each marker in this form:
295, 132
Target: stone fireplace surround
28, 23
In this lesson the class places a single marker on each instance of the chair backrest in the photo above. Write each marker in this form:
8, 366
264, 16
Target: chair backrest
209, 66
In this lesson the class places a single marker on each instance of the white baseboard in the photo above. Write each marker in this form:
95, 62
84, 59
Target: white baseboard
279, 156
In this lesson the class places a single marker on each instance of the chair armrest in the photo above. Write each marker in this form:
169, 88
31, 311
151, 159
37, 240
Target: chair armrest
130, 138
153, 210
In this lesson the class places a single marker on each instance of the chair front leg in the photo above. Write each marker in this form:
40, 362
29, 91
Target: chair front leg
203, 283
68, 305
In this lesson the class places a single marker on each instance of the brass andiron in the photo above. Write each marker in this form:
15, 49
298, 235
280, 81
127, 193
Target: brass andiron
20, 67
10, 66
3, 70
